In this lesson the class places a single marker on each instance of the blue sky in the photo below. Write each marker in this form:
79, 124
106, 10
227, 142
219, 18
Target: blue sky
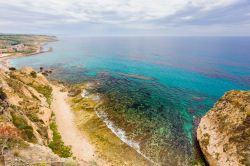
126, 17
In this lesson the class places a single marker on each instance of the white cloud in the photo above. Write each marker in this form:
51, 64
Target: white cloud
187, 17
109, 15
113, 10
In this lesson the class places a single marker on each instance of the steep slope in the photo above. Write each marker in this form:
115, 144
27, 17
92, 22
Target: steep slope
26, 130
224, 132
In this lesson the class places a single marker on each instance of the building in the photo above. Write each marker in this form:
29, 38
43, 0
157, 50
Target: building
19, 47
3, 50
10, 50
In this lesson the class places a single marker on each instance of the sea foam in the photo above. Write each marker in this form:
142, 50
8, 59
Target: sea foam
121, 134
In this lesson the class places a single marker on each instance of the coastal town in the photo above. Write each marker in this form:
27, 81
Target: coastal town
15, 45
13, 49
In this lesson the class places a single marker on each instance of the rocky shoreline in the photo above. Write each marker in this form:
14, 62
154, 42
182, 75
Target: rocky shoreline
224, 132
27, 135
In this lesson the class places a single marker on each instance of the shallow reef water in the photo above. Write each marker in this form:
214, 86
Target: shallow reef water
157, 118
154, 89
152, 115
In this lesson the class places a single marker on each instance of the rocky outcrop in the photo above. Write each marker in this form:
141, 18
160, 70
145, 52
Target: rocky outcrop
26, 118
224, 132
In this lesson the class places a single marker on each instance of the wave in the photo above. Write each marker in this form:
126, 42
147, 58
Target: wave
117, 131
122, 135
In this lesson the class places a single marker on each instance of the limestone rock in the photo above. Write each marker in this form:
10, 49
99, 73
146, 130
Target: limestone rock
25, 117
224, 132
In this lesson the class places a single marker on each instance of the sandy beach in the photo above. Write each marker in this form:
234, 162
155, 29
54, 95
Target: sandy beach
4, 63
71, 135
91, 141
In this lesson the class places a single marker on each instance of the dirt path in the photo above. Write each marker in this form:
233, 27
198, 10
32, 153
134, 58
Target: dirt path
81, 148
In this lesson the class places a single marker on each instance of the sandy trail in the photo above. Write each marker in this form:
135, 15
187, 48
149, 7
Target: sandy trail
81, 148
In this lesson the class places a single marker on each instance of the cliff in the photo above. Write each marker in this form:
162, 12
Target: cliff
27, 127
224, 132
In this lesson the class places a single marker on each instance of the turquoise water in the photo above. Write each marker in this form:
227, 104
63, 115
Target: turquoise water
182, 79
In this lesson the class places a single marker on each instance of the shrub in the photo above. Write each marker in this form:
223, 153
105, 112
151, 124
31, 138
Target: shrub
12, 143
205, 140
41, 69
16, 153
22, 124
46, 91
2, 94
33, 74
33, 116
45, 74
57, 145
12, 68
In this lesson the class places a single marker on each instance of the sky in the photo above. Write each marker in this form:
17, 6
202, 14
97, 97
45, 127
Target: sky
126, 17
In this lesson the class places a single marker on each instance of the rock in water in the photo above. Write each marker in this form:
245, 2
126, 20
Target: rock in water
224, 132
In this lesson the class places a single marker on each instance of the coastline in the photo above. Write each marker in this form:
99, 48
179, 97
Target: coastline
87, 142
4, 60
110, 147
91, 140
4, 63
82, 149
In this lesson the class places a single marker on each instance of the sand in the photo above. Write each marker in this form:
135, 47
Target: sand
4, 63
71, 135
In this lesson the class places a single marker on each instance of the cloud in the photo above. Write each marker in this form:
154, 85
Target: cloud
142, 14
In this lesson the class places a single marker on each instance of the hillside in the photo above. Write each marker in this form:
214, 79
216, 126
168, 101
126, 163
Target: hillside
28, 132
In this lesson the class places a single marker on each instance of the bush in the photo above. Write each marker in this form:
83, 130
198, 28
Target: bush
57, 145
41, 69
12, 143
33, 74
12, 68
22, 124
46, 91
2, 94
205, 140
33, 116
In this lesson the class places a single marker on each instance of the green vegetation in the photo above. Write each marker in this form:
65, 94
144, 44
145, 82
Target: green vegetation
46, 91
33, 74
248, 113
57, 145
12, 39
70, 163
42, 130
28, 51
15, 84
33, 116
22, 124
205, 140
197, 162
12, 143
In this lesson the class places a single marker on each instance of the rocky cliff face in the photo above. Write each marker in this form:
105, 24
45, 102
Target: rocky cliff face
25, 118
224, 132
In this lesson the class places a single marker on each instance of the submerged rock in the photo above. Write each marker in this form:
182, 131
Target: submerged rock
224, 132
74, 92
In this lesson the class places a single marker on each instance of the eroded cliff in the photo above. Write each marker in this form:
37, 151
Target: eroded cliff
224, 132
27, 127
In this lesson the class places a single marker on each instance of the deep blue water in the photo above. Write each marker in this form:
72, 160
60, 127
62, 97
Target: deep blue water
184, 76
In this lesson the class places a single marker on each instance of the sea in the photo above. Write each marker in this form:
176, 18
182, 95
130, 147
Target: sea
156, 89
